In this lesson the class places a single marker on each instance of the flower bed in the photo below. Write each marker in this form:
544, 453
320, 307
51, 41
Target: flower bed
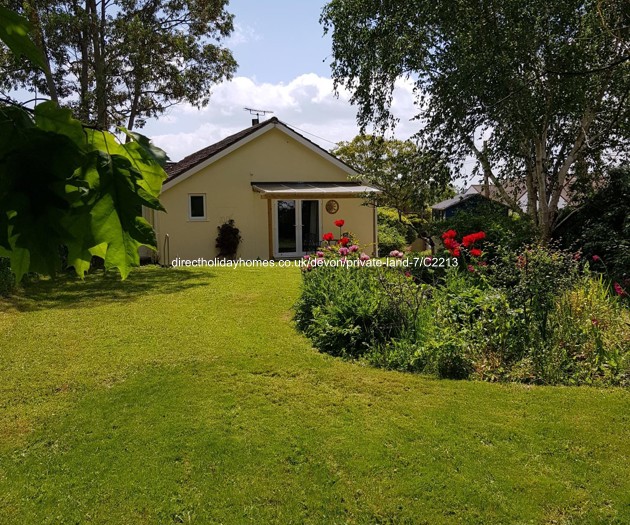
537, 316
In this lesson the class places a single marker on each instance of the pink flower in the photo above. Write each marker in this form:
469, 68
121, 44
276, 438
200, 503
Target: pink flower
364, 257
396, 253
320, 254
306, 257
619, 290
471, 268
343, 250
408, 274
596, 258
354, 248
343, 260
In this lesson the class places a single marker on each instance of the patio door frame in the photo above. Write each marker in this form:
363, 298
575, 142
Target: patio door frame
298, 226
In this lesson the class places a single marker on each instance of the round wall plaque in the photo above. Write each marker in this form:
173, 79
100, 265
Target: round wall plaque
332, 207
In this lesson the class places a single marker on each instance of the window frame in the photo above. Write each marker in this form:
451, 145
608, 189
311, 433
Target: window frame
205, 214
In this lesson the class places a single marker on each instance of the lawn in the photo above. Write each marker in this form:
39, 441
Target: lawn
186, 396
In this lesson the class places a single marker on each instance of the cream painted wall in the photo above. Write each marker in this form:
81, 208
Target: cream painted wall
272, 157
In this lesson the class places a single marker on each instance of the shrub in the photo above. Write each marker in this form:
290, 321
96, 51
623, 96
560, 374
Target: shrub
7, 279
537, 316
394, 233
600, 226
228, 239
510, 231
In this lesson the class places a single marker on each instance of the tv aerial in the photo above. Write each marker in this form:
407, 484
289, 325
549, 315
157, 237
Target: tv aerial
258, 113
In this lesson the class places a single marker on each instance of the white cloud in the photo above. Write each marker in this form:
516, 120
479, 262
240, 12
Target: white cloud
242, 34
307, 103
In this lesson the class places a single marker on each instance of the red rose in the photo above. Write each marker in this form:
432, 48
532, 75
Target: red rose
328, 236
339, 223
344, 241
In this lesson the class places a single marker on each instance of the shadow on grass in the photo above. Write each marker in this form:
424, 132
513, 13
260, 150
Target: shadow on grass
68, 291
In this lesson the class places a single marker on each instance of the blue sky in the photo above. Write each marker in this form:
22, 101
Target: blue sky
282, 39
284, 66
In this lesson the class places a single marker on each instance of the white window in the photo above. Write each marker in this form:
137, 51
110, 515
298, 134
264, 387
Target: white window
197, 207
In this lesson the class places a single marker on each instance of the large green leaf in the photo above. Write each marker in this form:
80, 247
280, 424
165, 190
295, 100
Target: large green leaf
14, 32
50, 117
65, 184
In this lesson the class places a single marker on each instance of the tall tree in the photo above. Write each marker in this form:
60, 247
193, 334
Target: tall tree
544, 84
119, 62
410, 178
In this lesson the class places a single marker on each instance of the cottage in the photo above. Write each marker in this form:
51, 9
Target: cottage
281, 190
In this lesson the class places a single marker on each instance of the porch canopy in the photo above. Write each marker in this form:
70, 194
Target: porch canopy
312, 190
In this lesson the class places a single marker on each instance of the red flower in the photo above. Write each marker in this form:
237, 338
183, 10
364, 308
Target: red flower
328, 236
620, 291
452, 246
471, 268
475, 252
470, 239
450, 243
450, 234
339, 223
596, 258
344, 241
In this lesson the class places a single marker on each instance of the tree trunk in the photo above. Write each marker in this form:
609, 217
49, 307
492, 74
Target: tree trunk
83, 36
544, 215
33, 17
97, 28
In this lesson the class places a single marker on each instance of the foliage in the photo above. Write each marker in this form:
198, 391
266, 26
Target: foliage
7, 279
545, 85
394, 232
509, 231
600, 227
121, 62
66, 184
536, 316
409, 177
228, 239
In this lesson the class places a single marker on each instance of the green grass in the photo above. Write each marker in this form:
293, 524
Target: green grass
187, 397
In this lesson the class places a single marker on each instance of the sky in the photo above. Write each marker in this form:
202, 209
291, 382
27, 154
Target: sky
284, 66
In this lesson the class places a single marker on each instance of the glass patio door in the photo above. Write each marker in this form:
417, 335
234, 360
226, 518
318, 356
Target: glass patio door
296, 227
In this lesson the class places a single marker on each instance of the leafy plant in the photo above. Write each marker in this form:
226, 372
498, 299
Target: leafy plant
63, 183
228, 239
537, 316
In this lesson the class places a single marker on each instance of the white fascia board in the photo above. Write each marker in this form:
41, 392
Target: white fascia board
286, 130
